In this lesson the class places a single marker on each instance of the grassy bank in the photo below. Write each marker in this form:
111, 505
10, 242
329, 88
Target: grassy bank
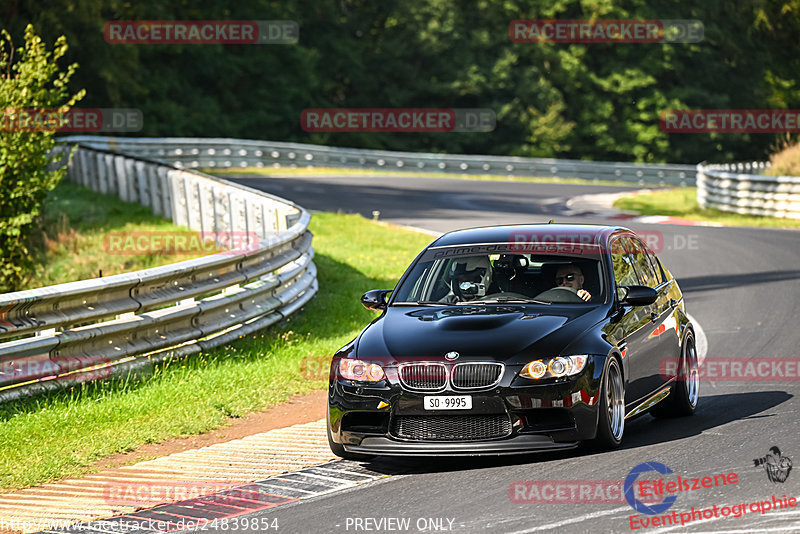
60, 435
74, 240
682, 202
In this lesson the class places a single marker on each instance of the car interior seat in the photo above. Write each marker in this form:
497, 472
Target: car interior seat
503, 273
591, 277
510, 275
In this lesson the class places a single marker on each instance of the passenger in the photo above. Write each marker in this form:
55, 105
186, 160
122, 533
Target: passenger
469, 279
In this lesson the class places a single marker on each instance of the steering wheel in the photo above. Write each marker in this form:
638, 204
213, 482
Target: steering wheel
560, 294
508, 294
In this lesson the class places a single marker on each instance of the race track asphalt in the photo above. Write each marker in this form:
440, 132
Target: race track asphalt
741, 285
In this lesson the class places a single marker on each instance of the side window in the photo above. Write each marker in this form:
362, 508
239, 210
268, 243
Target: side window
656, 267
641, 262
624, 274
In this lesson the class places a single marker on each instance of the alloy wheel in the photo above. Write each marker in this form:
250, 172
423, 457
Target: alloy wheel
615, 400
691, 374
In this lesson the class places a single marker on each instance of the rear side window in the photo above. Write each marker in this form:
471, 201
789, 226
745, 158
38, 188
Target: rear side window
656, 267
641, 262
624, 273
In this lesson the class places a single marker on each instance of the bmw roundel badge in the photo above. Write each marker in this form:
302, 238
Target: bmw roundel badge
452, 355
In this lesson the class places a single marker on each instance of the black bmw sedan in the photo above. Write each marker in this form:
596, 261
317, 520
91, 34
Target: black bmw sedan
512, 339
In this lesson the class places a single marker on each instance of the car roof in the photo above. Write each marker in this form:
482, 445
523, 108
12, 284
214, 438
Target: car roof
587, 233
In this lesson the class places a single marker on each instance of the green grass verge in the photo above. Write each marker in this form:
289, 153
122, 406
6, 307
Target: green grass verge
60, 435
76, 225
682, 202
336, 171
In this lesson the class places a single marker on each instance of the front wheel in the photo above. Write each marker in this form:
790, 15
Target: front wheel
611, 420
685, 392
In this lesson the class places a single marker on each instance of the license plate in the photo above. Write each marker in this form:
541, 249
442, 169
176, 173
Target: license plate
448, 402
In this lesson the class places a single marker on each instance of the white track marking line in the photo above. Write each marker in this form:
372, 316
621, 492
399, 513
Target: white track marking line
573, 520
343, 471
267, 487
331, 479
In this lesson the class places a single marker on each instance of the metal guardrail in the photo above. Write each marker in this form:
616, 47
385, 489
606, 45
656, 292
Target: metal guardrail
60, 335
723, 188
238, 153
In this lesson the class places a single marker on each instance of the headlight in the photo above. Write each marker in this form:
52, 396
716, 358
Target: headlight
535, 369
554, 367
360, 371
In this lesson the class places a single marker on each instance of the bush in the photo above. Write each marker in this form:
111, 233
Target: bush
786, 162
29, 80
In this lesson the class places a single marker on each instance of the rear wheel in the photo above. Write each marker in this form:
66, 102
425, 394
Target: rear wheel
611, 420
685, 392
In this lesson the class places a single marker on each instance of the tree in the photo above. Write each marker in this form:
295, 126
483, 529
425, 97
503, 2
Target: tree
584, 101
30, 80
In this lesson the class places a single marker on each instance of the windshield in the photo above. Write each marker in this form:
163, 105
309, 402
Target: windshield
503, 278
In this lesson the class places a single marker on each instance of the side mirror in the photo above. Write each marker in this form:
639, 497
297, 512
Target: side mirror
638, 295
376, 299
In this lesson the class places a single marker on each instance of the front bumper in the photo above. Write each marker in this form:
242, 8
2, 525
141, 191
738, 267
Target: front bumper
520, 444
555, 415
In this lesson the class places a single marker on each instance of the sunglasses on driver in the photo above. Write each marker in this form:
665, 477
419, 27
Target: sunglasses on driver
568, 277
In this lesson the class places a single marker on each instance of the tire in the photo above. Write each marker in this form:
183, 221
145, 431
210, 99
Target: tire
611, 419
685, 392
338, 449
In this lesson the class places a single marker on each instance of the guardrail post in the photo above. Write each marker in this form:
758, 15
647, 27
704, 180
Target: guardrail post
250, 217
165, 192
99, 168
77, 176
102, 172
86, 168
143, 184
234, 219
196, 199
177, 187
132, 180
122, 178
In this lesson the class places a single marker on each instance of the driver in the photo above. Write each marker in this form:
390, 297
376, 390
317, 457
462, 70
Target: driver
571, 276
469, 278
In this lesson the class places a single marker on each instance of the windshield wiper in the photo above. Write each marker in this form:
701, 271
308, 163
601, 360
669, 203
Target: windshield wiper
421, 303
511, 301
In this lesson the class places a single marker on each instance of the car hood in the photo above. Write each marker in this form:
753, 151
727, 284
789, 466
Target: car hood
512, 334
